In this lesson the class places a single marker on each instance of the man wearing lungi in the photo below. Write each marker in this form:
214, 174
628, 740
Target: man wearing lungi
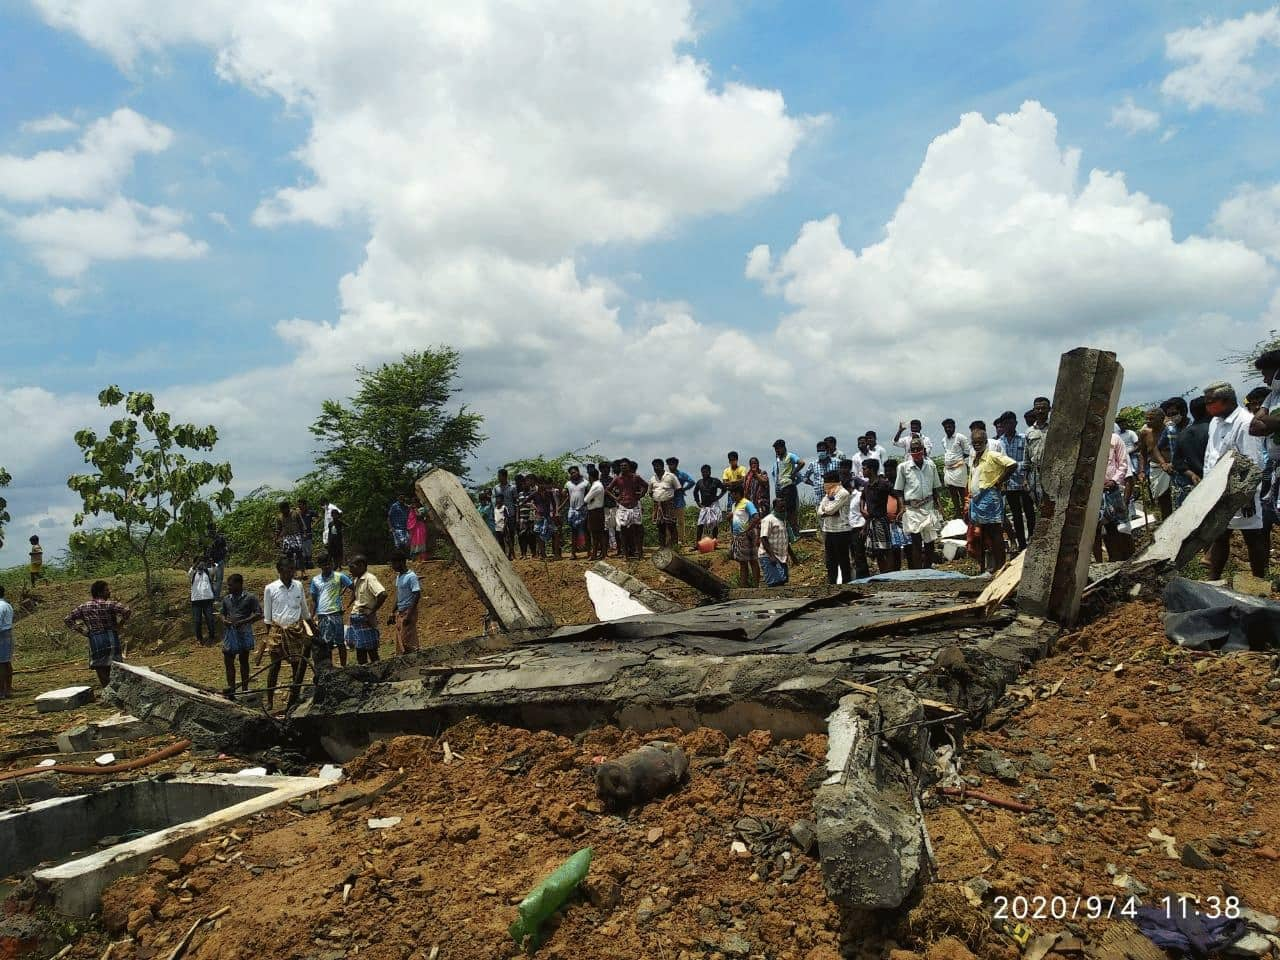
100, 620
362, 635
327, 589
287, 615
917, 481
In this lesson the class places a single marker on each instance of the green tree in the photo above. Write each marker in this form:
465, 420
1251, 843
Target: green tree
145, 481
5, 480
393, 430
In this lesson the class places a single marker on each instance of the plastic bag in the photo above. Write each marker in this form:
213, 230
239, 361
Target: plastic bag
546, 898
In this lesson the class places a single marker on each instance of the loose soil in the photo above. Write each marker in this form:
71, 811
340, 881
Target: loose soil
1119, 734
478, 833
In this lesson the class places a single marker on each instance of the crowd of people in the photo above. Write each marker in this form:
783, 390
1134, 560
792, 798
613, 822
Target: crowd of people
869, 505
872, 506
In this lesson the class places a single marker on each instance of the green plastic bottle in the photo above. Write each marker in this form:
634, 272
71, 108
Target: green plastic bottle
546, 898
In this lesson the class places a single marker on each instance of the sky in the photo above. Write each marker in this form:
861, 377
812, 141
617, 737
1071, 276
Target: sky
670, 228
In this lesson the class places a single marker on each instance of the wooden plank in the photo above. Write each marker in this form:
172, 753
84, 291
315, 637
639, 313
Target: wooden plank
491, 574
1003, 585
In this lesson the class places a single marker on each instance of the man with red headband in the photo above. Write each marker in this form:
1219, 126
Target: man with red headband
1229, 431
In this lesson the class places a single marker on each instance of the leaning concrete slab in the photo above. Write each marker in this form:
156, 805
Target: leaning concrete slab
1075, 458
195, 806
67, 698
1203, 515
640, 592
207, 719
491, 574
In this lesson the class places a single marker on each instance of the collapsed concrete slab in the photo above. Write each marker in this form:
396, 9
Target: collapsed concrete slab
1085, 400
177, 812
207, 719
491, 574
1204, 513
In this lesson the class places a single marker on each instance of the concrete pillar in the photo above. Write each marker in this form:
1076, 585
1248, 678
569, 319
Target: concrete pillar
491, 574
1075, 457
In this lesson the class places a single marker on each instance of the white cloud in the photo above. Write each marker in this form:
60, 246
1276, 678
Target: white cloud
53, 123
1252, 215
93, 169
1131, 118
67, 240
998, 250
487, 146
220, 219
1218, 58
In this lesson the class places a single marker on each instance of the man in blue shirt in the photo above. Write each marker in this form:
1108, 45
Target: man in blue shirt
327, 589
1022, 508
786, 469
686, 484
408, 593
398, 523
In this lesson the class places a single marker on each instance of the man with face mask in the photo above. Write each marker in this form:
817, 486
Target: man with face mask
833, 514
917, 481
1232, 430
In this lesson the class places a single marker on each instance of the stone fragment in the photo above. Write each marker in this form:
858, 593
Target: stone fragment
77, 739
65, 698
1195, 859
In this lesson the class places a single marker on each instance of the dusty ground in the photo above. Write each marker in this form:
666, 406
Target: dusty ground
478, 833
1117, 734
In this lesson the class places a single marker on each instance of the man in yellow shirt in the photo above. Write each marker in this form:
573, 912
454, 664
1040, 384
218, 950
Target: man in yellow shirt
735, 472
988, 470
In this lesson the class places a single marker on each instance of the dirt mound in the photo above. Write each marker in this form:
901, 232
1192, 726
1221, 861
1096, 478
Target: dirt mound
477, 833
1153, 770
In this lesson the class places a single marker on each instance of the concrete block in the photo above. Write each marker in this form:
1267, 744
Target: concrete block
77, 739
869, 843
1203, 516
1085, 400
67, 698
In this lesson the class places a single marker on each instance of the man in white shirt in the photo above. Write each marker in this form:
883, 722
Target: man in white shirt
833, 514
875, 451
921, 490
956, 451
916, 433
575, 489
857, 522
593, 503
287, 616
1229, 431
6, 648
662, 490
202, 601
